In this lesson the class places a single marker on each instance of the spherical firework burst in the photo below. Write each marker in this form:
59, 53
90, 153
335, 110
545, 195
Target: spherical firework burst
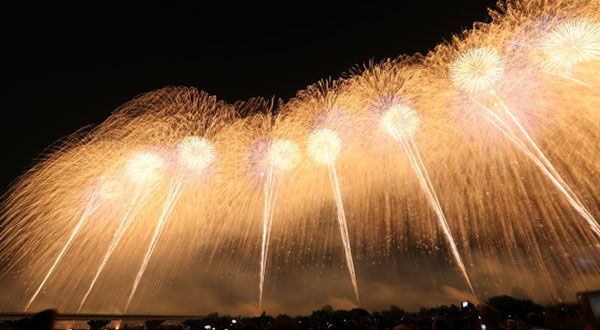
144, 167
400, 121
196, 153
476, 70
324, 146
571, 43
110, 188
284, 155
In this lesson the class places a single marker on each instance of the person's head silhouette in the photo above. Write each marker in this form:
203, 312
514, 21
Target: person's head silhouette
43, 320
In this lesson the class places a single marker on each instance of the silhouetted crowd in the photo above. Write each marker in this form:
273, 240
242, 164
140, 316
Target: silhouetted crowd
502, 312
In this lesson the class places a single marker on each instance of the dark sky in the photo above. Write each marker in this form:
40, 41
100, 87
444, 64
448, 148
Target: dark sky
60, 73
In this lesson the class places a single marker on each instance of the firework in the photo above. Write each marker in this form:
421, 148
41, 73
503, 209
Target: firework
570, 43
479, 73
188, 186
401, 122
282, 155
476, 70
89, 210
195, 153
324, 146
142, 168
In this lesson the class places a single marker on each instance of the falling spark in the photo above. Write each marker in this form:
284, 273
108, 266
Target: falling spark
283, 155
143, 168
402, 122
89, 210
500, 202
194, 154
324, 146
470, 81
174, 194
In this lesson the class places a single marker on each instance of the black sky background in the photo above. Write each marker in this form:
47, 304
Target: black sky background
62, 72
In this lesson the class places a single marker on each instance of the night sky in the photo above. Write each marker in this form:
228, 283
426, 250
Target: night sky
65, 73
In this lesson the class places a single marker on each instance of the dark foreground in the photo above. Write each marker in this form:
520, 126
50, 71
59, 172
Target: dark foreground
502, 312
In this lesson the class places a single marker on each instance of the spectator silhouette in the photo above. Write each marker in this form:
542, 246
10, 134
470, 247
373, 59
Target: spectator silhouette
490, 317
535, 321
352, 325
588, 318
440, 324
401, 327
516, 325
250, 326
285, 324
44, 320
558, 320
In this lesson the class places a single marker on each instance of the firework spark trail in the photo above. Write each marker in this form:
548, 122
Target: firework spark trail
507, 131
282, 155
134, 207
573, 199
523, 148
555, 59
324, 145
265, 234
89, 210
556, 74
175, 190
413, 154
341, 215
567, 78
541, 161
271, 189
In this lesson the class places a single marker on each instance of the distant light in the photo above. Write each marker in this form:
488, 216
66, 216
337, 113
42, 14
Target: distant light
233, 321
